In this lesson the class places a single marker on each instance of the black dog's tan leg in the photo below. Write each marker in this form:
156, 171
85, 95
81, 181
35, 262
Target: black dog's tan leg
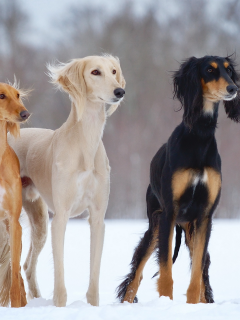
165, 281
198, 244
189, 236
206, 295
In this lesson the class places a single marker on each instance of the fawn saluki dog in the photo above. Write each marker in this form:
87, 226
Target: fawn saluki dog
12, 112
185, 179
67, 170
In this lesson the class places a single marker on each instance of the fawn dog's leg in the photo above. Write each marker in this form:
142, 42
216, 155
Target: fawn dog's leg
15, 247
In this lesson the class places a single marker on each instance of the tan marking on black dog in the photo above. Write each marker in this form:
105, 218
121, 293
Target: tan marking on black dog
214, 64
194, 289
208, 106
180, 181
189, 239
214, 184
214, 90
226, 64
165, 281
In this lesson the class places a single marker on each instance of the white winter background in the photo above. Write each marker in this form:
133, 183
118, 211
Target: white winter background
120, 239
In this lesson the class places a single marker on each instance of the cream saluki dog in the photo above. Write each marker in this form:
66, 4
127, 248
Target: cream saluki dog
67, 170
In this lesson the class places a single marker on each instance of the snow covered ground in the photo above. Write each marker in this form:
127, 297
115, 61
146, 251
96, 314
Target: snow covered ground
120, 240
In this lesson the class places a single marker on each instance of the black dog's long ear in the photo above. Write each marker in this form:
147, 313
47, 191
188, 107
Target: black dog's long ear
232, 107
188, 90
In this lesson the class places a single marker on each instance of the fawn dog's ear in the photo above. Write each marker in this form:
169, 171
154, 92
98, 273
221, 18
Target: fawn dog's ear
13, 128
188, 90
232, 107
70, 78
120, 79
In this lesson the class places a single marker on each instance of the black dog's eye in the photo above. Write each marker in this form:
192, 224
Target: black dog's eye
210, 69
114, 71
2, 96
229, 70
96, 72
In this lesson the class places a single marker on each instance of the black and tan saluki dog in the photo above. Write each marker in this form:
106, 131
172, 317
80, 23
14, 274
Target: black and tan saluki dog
185, 179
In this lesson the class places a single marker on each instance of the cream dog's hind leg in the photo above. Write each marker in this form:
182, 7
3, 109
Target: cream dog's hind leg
37, 212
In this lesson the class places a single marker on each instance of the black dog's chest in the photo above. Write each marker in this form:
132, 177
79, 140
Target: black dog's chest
194, 191
189, 151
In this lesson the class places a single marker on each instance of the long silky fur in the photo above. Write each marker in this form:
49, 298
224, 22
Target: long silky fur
188, 90
208, 288
136, 260
232, 107
138, 255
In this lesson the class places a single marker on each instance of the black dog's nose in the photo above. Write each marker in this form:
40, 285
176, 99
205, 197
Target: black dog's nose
24, 115
119, 92
232, 89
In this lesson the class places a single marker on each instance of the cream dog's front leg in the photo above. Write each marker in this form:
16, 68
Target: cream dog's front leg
63, 194
97, 228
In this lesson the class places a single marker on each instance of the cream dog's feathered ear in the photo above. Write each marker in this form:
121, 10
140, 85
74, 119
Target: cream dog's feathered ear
69, 77
120, 80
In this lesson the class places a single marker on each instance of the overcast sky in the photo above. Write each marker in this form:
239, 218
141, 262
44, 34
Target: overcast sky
44, 13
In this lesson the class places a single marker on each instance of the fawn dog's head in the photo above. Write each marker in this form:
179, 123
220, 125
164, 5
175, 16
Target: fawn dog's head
12, 109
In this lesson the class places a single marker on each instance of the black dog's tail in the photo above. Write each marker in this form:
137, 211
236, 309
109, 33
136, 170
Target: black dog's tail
178, 240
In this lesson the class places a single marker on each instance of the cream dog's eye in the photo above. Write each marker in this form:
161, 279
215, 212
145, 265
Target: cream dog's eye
2, 96
96, 72
114, 71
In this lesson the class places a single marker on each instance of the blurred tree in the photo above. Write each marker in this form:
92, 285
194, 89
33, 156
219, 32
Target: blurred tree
149, 45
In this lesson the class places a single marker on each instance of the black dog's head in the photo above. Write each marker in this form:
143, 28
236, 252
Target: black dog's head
204, 81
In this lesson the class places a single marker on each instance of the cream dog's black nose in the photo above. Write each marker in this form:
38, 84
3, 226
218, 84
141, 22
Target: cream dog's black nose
24, 115
119, 92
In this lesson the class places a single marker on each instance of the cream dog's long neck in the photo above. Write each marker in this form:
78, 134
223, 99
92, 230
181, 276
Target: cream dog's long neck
86, 134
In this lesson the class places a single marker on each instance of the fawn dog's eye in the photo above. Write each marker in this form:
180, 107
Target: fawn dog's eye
114, 71
96, 73
18, 95
2, 96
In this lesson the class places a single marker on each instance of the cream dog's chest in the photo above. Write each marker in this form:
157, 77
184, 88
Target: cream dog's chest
86, 185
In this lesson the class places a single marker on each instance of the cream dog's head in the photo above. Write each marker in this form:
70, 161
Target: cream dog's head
93, 78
